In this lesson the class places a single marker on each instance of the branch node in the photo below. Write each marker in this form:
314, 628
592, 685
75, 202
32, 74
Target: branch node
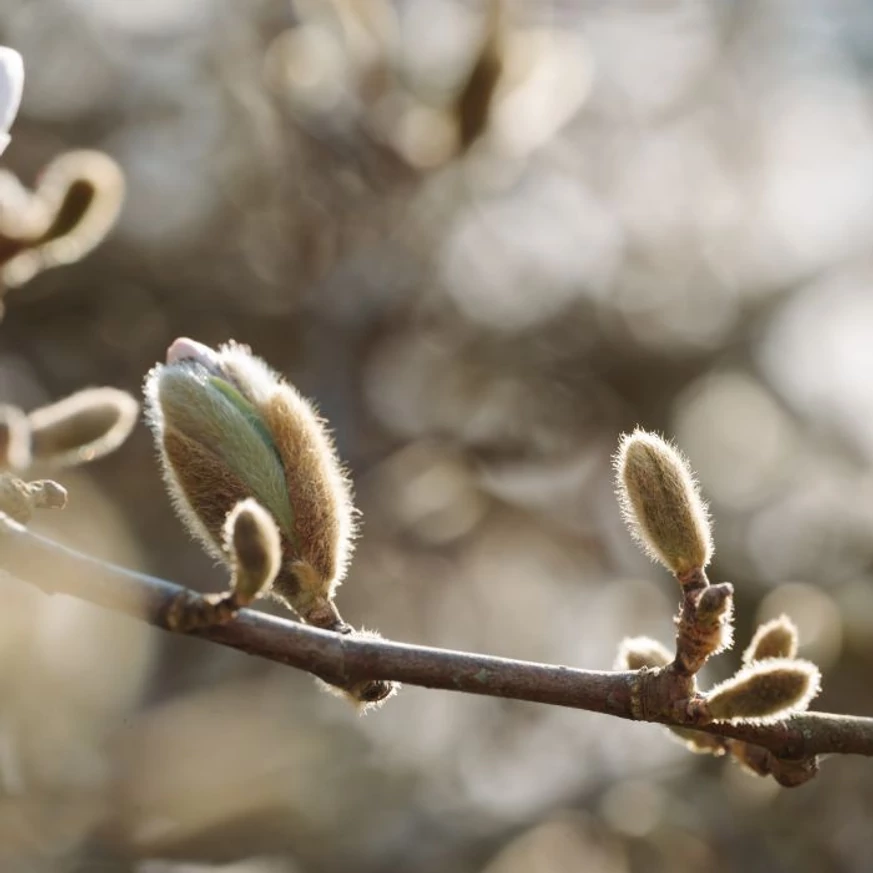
704, 625
189, 611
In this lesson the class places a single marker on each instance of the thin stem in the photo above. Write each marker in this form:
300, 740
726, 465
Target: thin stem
343, 660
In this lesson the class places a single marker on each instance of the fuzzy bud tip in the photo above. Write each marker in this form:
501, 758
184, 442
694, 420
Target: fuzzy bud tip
714, 617
364, 694
774, 639
661, 503
635, 653
253, 544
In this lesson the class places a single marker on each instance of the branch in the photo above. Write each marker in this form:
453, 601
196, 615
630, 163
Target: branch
343, 660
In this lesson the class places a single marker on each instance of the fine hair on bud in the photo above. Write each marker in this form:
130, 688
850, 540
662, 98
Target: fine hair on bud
229, 428
635, 653
765, 691
699, 742
714, 617
364, 694
661, 502
254, 548
82, 427
774, 639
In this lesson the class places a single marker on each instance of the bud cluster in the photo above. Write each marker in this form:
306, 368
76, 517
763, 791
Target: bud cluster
662, 506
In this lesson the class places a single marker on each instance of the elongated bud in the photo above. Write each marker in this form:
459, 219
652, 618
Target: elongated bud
229, 428
634, 653
82, 427
775, 639
661, 503
765, 691
253, 545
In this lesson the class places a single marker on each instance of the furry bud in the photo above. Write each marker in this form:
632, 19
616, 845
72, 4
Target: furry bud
635, 653
253, 546
82, 427
365, 694
765, 691
661, 503
775, 639
714, 617
229, 428
698, 742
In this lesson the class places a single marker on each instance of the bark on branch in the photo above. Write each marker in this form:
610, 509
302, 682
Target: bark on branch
342, 660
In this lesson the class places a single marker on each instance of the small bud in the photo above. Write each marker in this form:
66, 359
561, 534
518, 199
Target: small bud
699, 742
229, 428
634, 653
365, 694
252, 544
661, 503
788, 772
82, 427
14, 439
775, 639
765, 691
714, 617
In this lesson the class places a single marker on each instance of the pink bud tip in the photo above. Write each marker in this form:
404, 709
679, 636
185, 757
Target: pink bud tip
185, 349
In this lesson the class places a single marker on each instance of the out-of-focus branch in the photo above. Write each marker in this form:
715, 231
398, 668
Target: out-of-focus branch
343, 660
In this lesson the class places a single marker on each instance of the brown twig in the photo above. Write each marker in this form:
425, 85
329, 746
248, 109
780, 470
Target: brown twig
343, 660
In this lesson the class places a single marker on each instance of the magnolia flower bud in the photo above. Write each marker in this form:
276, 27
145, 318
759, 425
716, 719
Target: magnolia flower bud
765, 691
364, 694
661, 503
229, 428
11, 86
634, 653
775, 639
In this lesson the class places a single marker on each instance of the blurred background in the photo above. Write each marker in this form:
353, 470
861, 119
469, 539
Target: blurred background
486, 238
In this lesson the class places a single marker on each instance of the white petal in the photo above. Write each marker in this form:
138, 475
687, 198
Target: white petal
11, 85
